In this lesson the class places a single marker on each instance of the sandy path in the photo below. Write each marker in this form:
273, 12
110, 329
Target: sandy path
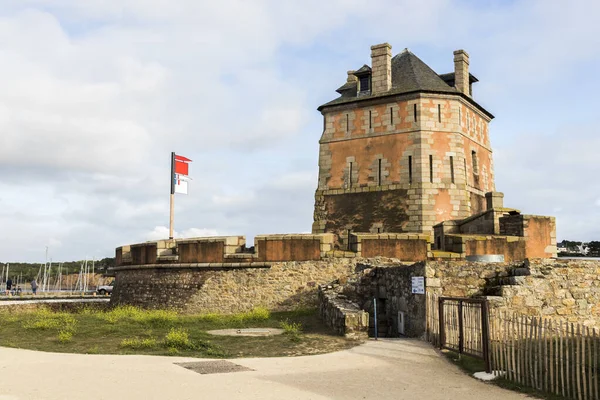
384, 369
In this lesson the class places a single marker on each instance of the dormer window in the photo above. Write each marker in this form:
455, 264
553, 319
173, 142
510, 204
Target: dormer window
364, 80
364, 83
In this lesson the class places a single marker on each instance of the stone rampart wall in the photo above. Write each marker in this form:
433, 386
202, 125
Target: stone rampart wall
278, 287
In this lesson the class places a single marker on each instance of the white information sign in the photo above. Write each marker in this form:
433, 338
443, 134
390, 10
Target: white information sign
418, 285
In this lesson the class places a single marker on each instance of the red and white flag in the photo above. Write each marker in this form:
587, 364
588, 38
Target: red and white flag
180, 174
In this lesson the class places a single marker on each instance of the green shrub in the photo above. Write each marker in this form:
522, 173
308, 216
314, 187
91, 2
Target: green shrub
65, 336
178, 338
291, 328
136, 343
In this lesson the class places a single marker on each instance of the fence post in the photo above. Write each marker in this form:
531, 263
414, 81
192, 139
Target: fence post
461, 334
441, 322
485, 336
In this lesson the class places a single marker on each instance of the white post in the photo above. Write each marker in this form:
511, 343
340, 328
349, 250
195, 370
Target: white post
45, 266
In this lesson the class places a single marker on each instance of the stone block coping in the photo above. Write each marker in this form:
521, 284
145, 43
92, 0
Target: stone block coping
196, 265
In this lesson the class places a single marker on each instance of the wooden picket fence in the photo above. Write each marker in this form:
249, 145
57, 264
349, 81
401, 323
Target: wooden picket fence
549, 355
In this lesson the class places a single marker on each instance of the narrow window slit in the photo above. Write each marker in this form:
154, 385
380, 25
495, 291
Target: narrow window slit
415, 112
391, 116
379, 172
409, 169
347, 123
452, 169
439, 113
370, 120
350, 174
430, 168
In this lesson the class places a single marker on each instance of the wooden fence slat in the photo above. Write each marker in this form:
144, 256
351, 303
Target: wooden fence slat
536, 353
562, 361
553, 356
539, 357
515, 364
494, 361
545, 372
567, 363
522, 340
557, 355
573, 361
577, 362
588, 363
499, 342
595, 341
505, 347
529, 355
527, 371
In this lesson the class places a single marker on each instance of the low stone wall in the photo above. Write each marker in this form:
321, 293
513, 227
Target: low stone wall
227, 249
344, 316
278, 286
464, 278
511, 247
561, 289
402, 246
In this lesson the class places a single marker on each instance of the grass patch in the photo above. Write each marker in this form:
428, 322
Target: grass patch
137, 343
130, 330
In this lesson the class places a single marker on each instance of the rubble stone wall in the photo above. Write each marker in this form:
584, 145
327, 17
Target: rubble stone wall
562, 289
276, 286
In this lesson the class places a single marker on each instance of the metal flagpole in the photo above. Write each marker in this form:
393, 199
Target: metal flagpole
171, 216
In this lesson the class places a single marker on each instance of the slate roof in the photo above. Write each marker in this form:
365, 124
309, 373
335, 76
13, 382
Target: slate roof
409, 75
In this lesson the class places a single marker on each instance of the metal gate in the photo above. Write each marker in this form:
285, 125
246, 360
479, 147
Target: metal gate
464, 327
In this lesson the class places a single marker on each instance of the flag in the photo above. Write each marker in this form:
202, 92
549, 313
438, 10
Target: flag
181, 184
179, 173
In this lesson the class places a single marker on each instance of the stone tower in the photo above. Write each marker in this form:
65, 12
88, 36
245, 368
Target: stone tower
403, 148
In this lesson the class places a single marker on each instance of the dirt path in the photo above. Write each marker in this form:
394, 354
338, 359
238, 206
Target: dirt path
386, 369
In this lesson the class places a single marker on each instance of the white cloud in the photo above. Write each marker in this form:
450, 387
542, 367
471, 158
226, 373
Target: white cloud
162, 232
95, 95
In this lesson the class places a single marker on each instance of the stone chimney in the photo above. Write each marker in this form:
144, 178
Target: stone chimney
381, 67
351, 77
461, 71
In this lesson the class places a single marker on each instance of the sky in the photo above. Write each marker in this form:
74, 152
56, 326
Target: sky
95, 94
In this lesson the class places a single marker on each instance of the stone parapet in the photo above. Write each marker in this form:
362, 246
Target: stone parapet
402, 246
513, 248
227, 249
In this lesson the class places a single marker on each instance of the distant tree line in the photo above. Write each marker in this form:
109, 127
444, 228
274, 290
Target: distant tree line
30, 270
579, 249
